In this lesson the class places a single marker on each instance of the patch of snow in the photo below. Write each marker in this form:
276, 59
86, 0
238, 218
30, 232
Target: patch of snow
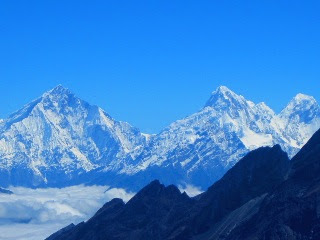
253, 140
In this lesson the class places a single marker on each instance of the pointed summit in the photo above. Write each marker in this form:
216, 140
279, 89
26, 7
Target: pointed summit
61, 97
303, 105
222, 90
59, 100
224, 97
57, 91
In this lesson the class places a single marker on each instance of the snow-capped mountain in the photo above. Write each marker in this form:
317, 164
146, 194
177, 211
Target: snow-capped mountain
203, 146
299, 120
58, 136
59, 139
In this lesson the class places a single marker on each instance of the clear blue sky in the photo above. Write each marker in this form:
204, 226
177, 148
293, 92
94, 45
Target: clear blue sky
152, 62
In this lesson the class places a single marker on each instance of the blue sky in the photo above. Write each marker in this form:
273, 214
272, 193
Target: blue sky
152, 62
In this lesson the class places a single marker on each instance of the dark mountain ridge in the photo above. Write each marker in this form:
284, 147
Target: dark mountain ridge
159, 212
291, 211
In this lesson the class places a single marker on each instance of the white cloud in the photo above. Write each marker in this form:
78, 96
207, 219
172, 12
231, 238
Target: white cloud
15, 231
190, 190
36, 213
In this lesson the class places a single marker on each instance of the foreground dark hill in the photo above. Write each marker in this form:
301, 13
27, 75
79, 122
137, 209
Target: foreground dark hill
291, 211
159, 212
148, 215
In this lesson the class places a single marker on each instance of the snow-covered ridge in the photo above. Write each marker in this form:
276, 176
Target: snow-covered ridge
207, 143
58, 137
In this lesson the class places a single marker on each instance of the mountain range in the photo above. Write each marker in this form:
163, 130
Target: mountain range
59, 139
264, 196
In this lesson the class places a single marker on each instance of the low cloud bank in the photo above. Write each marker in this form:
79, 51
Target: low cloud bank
34, 214
40, 212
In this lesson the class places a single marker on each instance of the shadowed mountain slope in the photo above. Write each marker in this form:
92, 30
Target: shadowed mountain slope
291, 211
159, 212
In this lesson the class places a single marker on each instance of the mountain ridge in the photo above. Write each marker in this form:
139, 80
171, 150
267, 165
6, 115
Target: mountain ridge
60, 134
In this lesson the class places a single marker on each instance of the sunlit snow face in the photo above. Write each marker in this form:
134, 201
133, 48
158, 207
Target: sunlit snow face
36, 213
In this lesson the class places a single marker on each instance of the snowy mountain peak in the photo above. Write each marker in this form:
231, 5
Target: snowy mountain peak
299, 119
57, 94
303, 105
58, 90
59, 132
223, 98
303, 97
302, 102
222, 89
57, 100
63, 102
